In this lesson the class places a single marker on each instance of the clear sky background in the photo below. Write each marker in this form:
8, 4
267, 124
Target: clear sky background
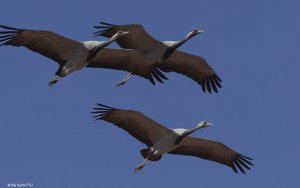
48, 138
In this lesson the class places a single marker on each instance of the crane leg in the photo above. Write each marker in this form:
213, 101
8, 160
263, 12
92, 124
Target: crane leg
61, 72
130, 75
140, 166
54, 81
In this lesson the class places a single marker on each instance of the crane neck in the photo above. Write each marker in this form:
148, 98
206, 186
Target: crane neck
96, 49
173, 47
190, 131
180, 42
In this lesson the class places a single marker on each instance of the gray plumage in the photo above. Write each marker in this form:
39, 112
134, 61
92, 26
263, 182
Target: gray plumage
171, 60
72, 55
161, 140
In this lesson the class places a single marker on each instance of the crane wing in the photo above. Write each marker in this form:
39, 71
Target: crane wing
46, 43
194, 67
135, 123
213, 151
137, 38
128, 60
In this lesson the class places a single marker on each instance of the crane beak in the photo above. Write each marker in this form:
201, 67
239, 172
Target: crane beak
198, 30
209, 124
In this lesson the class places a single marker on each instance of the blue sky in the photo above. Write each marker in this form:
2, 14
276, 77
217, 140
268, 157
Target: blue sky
48, 138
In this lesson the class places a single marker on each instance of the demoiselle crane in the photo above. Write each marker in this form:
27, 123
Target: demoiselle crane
161, 140
171, 60
72, 55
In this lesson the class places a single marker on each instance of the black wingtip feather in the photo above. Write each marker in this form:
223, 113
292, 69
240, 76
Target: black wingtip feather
246, 157
234, 168
213, 85
151, 79
101, 27
105, 106
100, 118
100, 33
246, 160
208, 85
104, 28
161, 74
203, 86
242, 163
7, 36
8, 32
11, 28
157, 77
217, 82
105, 23
97, 116
219, 78
101, 112
239, 167
6, 40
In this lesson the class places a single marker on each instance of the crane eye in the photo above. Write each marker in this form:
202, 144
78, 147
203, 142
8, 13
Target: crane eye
205, 123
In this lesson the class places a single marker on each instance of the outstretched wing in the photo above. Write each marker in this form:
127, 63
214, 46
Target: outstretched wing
128, 60
213, 151
137, 38
135, 123
46, 43
194, 67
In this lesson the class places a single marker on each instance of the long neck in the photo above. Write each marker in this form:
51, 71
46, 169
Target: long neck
173, 47
96, 49
190, 131
108, 42
181, 42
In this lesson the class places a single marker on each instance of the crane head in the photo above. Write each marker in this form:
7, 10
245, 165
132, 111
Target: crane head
194, 32
203, 124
